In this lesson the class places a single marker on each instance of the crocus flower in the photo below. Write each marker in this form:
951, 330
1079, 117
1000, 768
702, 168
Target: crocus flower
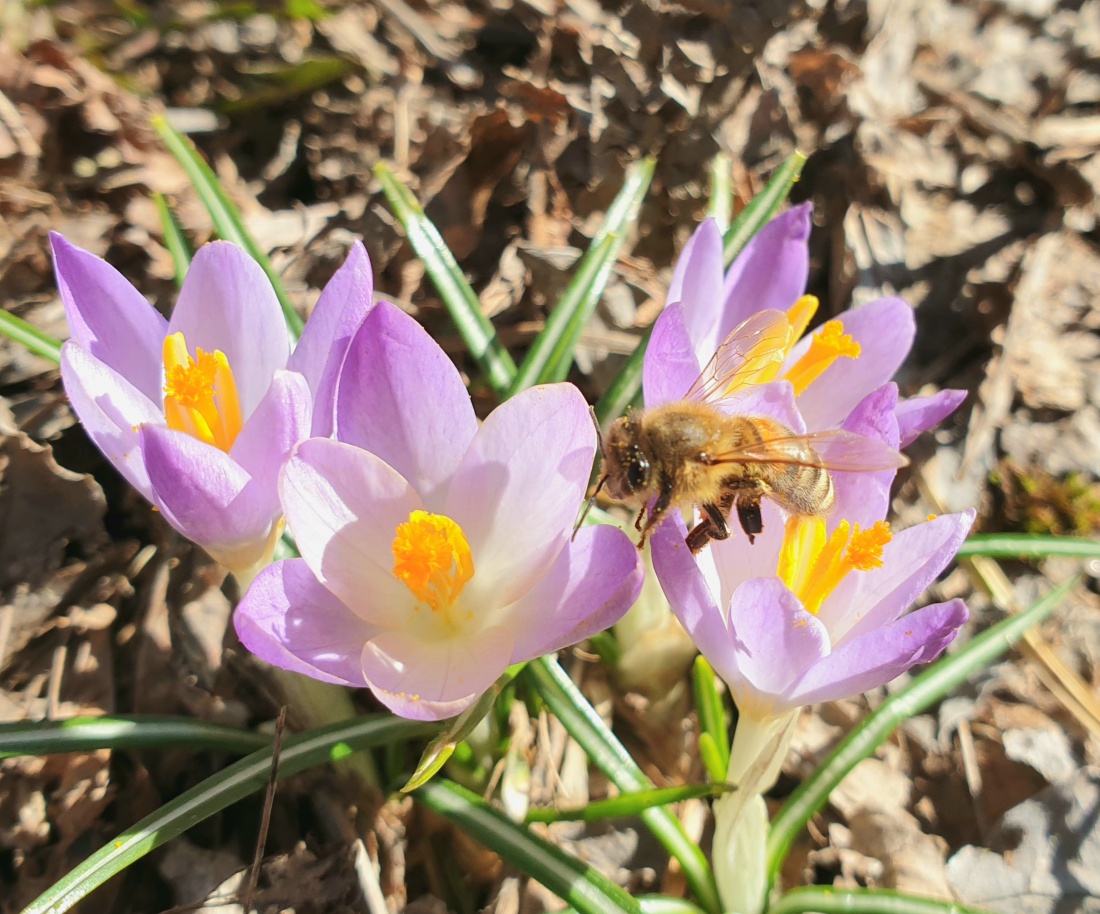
200, 412
816, 610
830, 370
435, 553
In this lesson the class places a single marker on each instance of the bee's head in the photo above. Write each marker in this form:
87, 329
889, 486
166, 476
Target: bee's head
626, 466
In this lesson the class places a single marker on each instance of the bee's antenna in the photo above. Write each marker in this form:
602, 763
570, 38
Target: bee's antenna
588, 506
599, 431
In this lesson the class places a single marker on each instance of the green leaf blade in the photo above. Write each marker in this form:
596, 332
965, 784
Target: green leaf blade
863, 901
476, 330
1028, 546
30, 337
586, 889
762, 207
249, 775
227, 219
85, 734
551, 354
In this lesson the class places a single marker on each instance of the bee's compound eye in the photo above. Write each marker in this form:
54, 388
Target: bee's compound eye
637, 471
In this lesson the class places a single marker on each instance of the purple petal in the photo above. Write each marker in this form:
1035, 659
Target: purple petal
736, 560
698, 278
670, 366
770, 272
280, 421
775, 641
343, 506
910, 563
290, 621
881, 655
227, 303
343, 304
429, 679
690, 598
400, 397
109, 318
110, 408
864, 497
918, 414
208, 497
595, 580
884, 330
520, 486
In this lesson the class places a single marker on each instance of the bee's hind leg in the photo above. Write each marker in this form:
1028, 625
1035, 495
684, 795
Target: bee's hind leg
752, 522
712, 527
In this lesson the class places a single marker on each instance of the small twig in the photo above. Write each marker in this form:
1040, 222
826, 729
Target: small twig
265, 820
973, 772
57, 672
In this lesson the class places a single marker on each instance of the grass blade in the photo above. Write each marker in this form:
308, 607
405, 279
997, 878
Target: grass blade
863, 901
249, 775
607, 753
174, 239
586, 889
657, 904
223, 213
626, 387
30, 337
762, 207
139, 731
1027, 546
922, 692
551, 354
625, 804
474, 327
712, 716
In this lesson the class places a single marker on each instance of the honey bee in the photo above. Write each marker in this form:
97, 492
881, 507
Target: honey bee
691, 452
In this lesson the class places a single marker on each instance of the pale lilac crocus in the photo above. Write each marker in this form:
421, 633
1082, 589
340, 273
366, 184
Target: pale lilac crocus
830, 370
199, 412
817, 610
435, 553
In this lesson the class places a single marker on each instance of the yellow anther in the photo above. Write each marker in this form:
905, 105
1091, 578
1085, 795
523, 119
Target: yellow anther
826, 346
800, 314
432, 558
812, 566
200, 394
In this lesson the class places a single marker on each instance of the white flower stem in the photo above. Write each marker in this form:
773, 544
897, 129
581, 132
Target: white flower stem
741, 816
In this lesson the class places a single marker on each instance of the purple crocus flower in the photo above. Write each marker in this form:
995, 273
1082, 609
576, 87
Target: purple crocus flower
831, 369
435, 553
816, 610
200, 412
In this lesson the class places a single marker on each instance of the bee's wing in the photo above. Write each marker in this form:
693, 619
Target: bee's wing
752, 346
834, 449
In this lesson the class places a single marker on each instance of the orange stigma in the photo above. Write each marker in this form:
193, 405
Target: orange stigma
200, 394
826, 346
432, 558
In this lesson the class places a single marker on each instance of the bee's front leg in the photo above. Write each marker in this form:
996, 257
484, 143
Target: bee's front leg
657, 512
